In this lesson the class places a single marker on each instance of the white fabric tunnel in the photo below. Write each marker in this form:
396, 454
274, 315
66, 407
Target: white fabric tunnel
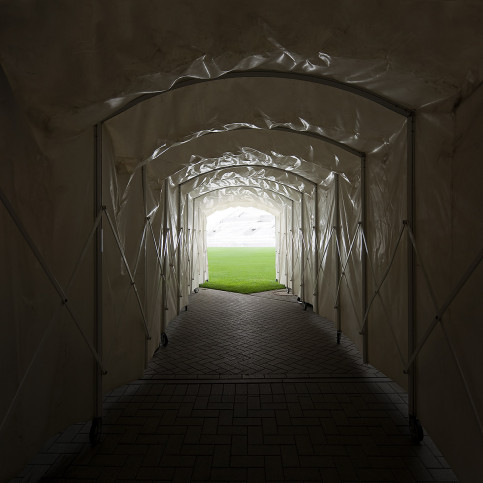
373, 175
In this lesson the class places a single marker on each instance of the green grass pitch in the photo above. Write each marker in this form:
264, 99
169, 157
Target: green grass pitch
242, 270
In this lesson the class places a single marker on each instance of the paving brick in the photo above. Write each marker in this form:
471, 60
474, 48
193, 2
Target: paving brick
239, 444
193, 434
182, 475
177, 460
332, 450
329, 475
279, 439
290, 456
174, 444
442, 474
233, 430
256, 475
155, 473
316, 461
371, 475
263, 449
403, 475
221, 456
153, 455
225, 417
255, 435
210, 426
202, 468
304, 444
108, 460
345, 468
228, 474
247, 461
302, 474
83, 472
197, 449
269, 426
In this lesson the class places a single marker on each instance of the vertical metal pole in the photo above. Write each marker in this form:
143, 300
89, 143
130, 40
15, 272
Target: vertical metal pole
286, 249
365, 335
204, 254
316, 247
95, 430
278, 239
293, 250
146, 311
188, 241
192, 247
165, 260
414, 424
180, 243
337, 238
302, 251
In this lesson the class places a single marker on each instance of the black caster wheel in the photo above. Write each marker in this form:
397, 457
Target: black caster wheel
164, 339
339, 335
95, 431
196, 290
415, 429
288, 289
186, 308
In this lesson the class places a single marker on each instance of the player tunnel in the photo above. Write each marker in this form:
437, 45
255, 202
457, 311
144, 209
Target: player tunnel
345, 171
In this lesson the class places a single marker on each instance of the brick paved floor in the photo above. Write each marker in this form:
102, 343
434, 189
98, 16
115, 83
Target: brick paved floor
249, 388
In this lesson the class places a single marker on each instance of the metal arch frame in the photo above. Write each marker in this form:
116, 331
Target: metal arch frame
248, 188
289, 130
237, 74
259, 177
243, 186
239, 166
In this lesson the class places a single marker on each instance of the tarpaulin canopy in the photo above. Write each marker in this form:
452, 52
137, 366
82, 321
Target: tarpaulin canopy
358, 124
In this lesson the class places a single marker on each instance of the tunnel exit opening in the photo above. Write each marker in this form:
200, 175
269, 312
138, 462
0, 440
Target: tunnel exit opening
242, 250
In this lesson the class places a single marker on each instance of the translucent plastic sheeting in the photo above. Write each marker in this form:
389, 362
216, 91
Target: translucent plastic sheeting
350, 253
327, 250
240, 196
277, 176
167, 120
228, 177
386, 206
46, 366
450, 236
290, 150
125, 326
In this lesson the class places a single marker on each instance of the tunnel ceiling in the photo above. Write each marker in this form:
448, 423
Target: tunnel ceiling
304, 127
